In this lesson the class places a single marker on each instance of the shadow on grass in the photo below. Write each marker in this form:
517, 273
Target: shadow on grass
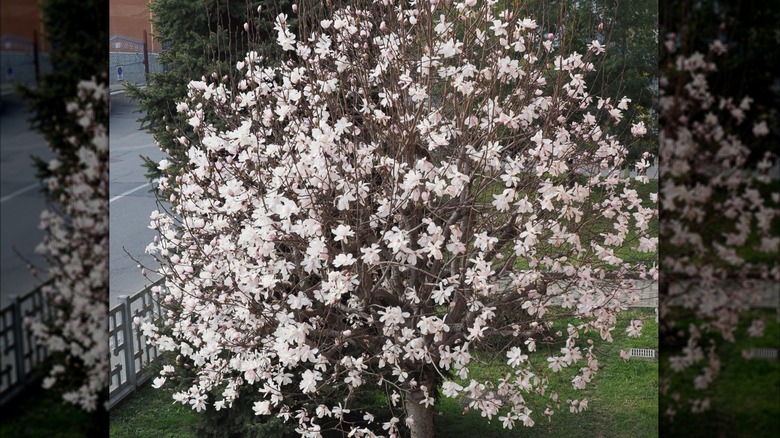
42, 413
745, 398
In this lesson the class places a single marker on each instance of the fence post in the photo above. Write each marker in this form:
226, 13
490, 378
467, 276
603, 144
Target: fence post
146, 58
36, 63
18, 324
127, 334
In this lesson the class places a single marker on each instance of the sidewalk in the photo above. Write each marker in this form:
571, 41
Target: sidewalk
7, 92
648, 293
763, 294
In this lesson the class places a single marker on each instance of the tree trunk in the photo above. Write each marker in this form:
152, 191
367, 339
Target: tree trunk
422, 415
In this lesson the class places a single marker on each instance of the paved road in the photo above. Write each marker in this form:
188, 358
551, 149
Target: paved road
21, 201
761, 294
130, 199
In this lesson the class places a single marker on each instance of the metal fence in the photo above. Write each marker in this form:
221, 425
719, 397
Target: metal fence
127, 346
20, 356
21, 61
130, 61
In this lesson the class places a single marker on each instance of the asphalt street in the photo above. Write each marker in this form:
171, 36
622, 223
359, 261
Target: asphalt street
131, 200
21, 201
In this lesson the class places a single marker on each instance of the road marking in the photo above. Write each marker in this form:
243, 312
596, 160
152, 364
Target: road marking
127, 193
19, 192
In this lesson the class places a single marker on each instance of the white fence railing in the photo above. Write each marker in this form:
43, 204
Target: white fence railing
20, 356
127, 346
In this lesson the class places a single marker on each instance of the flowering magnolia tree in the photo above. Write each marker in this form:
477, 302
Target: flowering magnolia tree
75, 246
362, 216
718, 214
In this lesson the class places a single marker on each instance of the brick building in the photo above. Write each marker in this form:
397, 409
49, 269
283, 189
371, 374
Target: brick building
21, 24
18, 19
127, 20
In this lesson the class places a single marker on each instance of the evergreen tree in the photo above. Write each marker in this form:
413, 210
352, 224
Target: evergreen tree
69, 108
200, 38
78, 31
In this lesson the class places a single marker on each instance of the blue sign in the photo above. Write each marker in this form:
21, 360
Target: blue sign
119, 74
9, 73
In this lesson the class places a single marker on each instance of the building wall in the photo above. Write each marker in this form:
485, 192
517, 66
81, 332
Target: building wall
129, 19
18, 19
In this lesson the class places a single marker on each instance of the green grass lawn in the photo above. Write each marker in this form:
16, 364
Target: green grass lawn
597, 225
623, 398
715, 224
152, 413
623, 401
746, 396
40, 413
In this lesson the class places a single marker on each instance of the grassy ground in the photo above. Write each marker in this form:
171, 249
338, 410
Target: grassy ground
716, 224
623, 399
623, 402
152, 413
40, 413
746, 396
597, 225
